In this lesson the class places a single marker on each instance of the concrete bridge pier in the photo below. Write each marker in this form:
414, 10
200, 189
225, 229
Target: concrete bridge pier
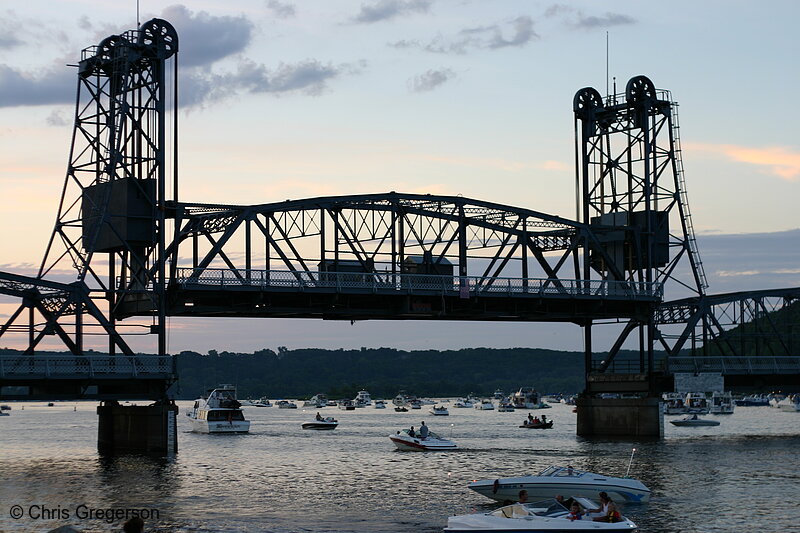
620, 417
150, 429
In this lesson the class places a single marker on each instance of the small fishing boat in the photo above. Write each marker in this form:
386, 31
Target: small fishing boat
693, 421
440, 411
401, 409
433, 442
539, 517
320, 423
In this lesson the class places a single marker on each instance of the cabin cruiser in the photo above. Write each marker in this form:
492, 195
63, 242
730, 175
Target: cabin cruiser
674, 403
433, 442
555, 480
362, 399
485, 405
693, 420
528, 398
439, 411
286, 404
379, 404
722, 403
696, 403
318, 401
219, 412
538, 517
320, 423
499, 394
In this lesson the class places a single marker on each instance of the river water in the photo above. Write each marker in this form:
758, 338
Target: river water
742, 474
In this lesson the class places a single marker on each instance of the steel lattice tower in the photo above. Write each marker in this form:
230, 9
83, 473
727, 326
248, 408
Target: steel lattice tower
111, 218
631, 192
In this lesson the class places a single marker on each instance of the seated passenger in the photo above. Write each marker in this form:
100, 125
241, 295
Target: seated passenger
575, 512
612, 515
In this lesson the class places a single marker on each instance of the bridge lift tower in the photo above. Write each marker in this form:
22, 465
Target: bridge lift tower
631, 191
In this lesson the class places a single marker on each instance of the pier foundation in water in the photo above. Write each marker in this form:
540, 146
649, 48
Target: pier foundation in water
150, 429
620, 417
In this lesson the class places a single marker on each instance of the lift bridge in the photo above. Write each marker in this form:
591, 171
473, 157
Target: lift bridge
140, 255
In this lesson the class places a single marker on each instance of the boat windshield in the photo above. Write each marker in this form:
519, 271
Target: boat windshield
548, 507
559, 471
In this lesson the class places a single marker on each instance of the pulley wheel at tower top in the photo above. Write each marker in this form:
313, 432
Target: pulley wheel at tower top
639, 88
158, 38
108, 47
586, 100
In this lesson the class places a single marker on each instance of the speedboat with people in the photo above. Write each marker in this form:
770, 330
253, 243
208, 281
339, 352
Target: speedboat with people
555, 480
694, 421
538, 517
485, 405
346, 405
408, 441
218, 412
440, 411
286, 404
463, 403
534, 422
321, 423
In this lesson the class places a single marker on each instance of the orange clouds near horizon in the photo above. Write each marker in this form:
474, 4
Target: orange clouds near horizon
779, 161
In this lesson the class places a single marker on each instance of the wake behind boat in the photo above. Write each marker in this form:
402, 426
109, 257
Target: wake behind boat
539, 517
407, 442
220, 412
555, 480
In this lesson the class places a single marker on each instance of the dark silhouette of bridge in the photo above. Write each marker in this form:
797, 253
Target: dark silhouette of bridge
140, 253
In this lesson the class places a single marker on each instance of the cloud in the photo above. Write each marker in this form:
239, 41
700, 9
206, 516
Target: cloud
281, 10
516, 32
430, 80
51, 86
205, 39
555, 165
57, 118
779, 161
309, 77
577, 19
388, 9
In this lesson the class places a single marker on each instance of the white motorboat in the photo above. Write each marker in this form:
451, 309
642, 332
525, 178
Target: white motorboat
555, 480
528, 398
696, 403
463, 403
263, 402
499, 394
320, 423
219, 412
790, 403
485, 405
318, 401
433, 442
286, 404
362, 399
539, 517
505, 407
674, 403
754, 400
402, 399
415, 404
722, 403
379, 404
693, 421
346, 405
440, 411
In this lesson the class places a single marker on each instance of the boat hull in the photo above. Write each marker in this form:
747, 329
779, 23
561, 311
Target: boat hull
408, 444
236, 426
320, 426
620, 489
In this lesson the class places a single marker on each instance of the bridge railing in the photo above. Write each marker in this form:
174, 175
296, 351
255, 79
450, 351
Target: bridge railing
20, 366
735, 365
210, 278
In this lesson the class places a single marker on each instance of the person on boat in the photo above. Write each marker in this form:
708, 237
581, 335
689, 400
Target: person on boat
530, 418
423, 431
569, 470
319, 416
601, 511
575, 512
694, 417
523, 496
611, 515
411, 432
544, 419
536, 420
566, 503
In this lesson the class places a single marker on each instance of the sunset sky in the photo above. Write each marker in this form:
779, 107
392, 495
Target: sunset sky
284, 99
